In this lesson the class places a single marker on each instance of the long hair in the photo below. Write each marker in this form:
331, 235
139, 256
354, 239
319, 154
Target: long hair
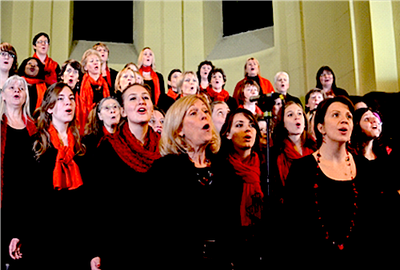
319, 72
25, 108
140, 58
281, 133
171, 142
43, 141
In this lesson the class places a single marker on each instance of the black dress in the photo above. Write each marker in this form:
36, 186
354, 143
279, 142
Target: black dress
336, 221
200, 212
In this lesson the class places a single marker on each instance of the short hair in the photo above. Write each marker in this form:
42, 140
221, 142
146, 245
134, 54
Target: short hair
321, 112
87, 53
75, 65
205, 62
180, 83
21, 69
214, 71
280, 73
172, 72
255, 60
101, 44
37, 36
171, 142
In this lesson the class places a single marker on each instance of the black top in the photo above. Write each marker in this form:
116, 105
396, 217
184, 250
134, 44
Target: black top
320, 212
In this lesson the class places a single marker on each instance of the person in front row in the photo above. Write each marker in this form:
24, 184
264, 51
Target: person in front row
195, 199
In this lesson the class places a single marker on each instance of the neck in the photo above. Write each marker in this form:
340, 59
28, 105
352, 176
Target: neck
111, 129
243, 153
42, 57
198, 157
251, 106
218, 90
204, 82
326, 88
14, 117
334, 152
3, 77
62, 130
296, 140
94, 76
368, 152
139, 131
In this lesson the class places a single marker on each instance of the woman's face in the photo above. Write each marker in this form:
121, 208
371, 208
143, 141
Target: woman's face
197, 125
326, 79
175, 77
6, 61
294, 120
314, 99
204, 70
32, 68
277, 106
103, 53
217, 81
148, 58
157, 121
242, 132
15, 94
338, 123
138, 106
93, 65
42, 45
371, 125
70, 76
64, 109
249, 91
252, 68
189, 85
127, 78
219, 114
110, 113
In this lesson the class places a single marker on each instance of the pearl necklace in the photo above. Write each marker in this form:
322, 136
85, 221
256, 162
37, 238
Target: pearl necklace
340, 246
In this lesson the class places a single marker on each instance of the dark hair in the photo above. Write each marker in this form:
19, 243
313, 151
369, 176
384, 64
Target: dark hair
21, 69
75, 65
216, 70
359, 138
227, 145
321, 112
38, 36
172, 72
319, 72
205, 62
281, 133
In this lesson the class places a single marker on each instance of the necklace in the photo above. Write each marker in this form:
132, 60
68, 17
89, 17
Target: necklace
337, 243
204, 176
348, 163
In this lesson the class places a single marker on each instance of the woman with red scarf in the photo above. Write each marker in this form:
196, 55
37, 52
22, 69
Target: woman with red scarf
93, 86
216, 89
57, 239
41, 45
240, 149
109, 74
291, 139
123, 189
17, 127
155, 80
32, 70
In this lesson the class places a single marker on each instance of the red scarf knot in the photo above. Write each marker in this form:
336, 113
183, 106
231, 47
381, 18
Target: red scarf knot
50, 67
66, 172
154, 78
249, 170
218, 96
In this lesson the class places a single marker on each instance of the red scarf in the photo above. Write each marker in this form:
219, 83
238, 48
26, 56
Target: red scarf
286, 158
218, 96
41, 88
249, 170
154, 77
30, 126
50, 67
66, 172
259, 112
266, 85
172, 94
137, 156
85, 103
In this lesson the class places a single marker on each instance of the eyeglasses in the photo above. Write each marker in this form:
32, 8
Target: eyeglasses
5, 54
45, 42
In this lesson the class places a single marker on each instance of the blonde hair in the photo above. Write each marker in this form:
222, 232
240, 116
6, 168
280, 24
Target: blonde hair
255, 60
85, 56
117, 85
140, 59
182, 79
25, 108
171, 142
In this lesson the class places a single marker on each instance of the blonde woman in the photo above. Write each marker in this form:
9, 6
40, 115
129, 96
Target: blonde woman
155, 80
189, 174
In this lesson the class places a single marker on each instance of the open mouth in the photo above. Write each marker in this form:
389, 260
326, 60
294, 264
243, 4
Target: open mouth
298, 124
141, 110
206, 127
68, 111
